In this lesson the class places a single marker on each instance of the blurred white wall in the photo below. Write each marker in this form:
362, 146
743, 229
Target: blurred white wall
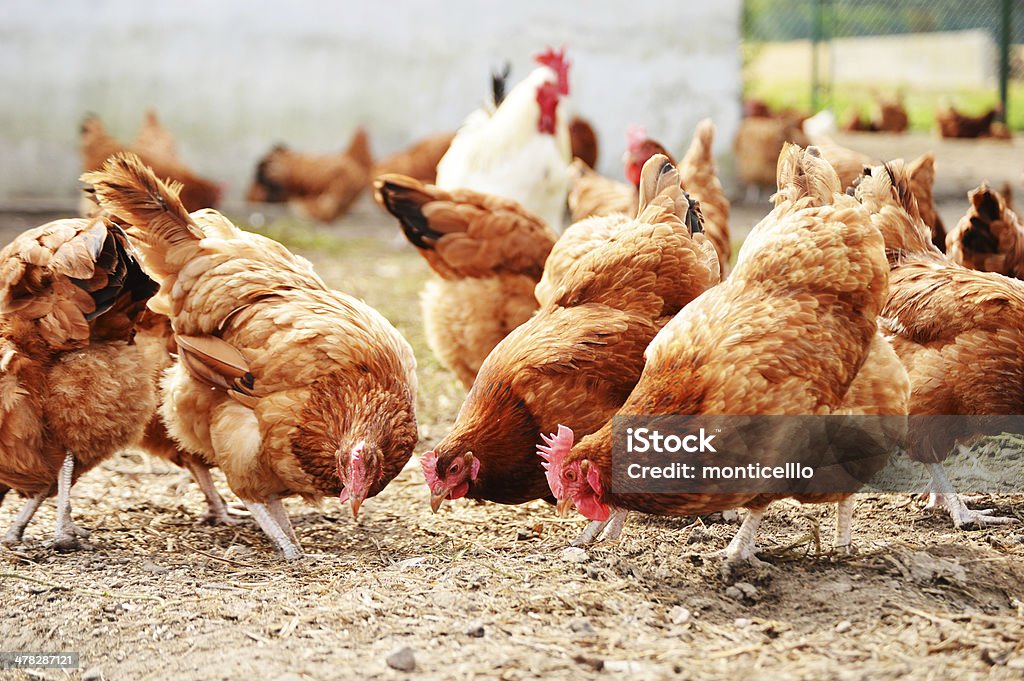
231, 77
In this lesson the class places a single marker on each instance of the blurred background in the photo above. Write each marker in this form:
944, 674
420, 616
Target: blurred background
230, 78
808, 54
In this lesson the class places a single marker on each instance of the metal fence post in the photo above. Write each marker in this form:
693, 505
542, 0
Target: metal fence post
1004, 56
816, 39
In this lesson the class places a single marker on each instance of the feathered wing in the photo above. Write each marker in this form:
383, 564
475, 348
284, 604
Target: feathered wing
700, 180
594, 254
576, 242
922, 182
73, 281
463, 233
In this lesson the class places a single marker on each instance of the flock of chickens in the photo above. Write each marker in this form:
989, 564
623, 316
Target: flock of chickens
145, 324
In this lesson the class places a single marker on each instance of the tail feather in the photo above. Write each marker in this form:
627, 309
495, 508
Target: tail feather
703, 139
165, 233
662, 199
404, 198
803, 173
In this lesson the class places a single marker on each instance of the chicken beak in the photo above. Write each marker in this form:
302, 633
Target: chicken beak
356, 502
564, 506
437, 499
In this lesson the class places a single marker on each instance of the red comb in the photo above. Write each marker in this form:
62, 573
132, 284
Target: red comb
553, 452
428, 460
556, 61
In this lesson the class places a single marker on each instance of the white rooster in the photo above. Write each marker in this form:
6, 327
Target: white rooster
522, 150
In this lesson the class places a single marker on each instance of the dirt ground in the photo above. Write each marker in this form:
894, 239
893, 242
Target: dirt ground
488, 591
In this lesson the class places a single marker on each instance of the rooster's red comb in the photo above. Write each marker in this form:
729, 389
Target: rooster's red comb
553, 452
556, 61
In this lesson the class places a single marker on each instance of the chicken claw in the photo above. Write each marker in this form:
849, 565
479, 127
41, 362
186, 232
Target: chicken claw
743, 547
603, 530
942, 492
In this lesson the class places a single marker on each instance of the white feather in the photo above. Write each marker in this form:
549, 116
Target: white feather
505, 154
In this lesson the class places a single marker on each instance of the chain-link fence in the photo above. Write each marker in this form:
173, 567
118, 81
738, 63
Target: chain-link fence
846, 54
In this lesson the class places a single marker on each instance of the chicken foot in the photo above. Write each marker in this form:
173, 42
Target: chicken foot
17, 529
743, 547
285, 539
603, 530
216, 510
944, 494
67, 535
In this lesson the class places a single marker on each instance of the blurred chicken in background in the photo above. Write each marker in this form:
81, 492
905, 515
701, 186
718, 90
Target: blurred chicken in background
321, 187
158, 150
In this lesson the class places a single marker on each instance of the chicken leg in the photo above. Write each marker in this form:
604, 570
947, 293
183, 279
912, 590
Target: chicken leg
265, 517
844, 526
67, 535
17, 529
943, 493
280, 515
216, 509
603, 530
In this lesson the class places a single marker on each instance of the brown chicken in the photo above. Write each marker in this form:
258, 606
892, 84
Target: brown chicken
97, 145
76, 387
954, 124
576, 360
989, 237
489, 253
786, 334
758, 143
322, 188
154, 141
418, 161
583, 140
891, 115
593, 195
957, 331
289, 387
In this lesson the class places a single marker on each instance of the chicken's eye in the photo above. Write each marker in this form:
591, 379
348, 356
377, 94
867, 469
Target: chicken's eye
454, 468
570, 475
